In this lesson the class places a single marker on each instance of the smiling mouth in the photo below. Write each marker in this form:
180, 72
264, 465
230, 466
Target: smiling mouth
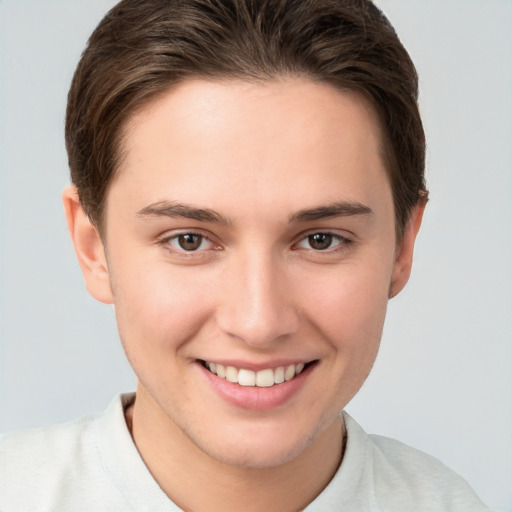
266, 378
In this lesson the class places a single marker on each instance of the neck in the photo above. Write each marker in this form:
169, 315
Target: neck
195, 481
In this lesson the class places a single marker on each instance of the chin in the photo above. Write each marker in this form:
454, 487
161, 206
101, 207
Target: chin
258, 447
258, 456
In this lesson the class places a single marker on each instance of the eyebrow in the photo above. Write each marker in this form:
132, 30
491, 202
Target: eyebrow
173, 210
340, 209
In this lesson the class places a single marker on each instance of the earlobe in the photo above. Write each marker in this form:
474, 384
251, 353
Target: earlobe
403, 261
88, 247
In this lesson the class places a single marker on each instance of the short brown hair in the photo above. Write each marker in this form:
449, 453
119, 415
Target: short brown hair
143, 47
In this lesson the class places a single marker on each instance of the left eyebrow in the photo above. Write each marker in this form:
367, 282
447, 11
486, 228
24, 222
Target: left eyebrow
341, 209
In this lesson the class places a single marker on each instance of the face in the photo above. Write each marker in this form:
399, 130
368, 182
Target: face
249, 241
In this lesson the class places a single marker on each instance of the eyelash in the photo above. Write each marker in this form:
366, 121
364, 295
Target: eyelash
342, 243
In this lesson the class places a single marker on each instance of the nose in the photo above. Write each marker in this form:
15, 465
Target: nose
257, 303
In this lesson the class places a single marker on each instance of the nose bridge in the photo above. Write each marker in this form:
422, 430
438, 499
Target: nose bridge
257, 303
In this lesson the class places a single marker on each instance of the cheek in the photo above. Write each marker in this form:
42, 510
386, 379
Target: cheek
349, 305
348, 313
158, 309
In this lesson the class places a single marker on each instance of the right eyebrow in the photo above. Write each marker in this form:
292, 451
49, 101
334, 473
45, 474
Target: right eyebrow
186, 211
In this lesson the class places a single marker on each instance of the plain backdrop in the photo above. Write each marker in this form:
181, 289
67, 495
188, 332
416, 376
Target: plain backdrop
443, 378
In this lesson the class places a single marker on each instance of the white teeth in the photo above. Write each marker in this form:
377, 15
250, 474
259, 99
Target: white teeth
279, 375
262, 379
246, 377
231, 374
289, 373
265, 378
221, 371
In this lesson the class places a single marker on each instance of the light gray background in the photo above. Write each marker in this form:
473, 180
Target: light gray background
443, 379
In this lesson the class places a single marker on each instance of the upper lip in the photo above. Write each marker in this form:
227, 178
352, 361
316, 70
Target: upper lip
247, 365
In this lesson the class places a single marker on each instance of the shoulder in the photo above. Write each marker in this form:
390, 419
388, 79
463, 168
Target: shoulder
39, 454
44, 468
62, 441
400, 477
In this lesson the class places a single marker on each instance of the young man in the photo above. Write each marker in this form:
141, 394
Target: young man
247, 190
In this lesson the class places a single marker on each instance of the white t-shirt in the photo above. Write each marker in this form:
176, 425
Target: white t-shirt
93, 465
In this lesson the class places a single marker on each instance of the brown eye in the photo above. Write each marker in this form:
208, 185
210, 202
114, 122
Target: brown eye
190, 241
189, 244
323, 241
320, 241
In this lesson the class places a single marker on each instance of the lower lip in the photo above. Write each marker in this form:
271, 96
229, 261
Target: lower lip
253, 397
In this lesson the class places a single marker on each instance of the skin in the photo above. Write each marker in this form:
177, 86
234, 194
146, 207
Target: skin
265, 158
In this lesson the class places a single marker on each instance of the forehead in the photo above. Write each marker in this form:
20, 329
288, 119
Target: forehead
295, 139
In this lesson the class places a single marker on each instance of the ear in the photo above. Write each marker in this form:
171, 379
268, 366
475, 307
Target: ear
403, 261
88, 247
